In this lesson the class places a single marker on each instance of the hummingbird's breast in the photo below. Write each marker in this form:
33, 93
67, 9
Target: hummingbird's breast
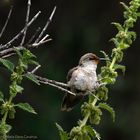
84, 78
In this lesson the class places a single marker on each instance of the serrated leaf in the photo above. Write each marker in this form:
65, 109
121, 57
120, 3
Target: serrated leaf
7, 64
90, 130
32, 77
108, 108
63, 135
1, 96
26, 107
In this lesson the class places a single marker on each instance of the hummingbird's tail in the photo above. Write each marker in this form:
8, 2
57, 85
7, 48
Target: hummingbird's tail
69, 101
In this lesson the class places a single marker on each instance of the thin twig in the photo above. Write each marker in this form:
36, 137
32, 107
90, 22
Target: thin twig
21, 32
44, 38
58, 87
51, 81
8, 55
5, 25
35, 69
26, 22
10, 51
47, 24
40, 43
33, 37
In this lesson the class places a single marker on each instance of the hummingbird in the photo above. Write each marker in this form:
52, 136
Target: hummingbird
81, 80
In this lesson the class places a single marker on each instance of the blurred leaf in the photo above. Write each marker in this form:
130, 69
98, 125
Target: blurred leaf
12, 112
19, 89
1, 96
8, 128
125, 6
108, 108
26, 107
32, 77
7, 64
90, 130
62, 133
121, 67
118, 26
33, 62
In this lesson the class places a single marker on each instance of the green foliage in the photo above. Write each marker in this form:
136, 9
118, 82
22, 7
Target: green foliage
1, 97
26, 107
9, 65
92, 110
8, 108
31, 77
62, 133
108, 108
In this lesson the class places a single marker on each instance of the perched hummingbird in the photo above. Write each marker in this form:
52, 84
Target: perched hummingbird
81, 80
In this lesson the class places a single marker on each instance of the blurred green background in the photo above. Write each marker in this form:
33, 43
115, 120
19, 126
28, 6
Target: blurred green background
78, 27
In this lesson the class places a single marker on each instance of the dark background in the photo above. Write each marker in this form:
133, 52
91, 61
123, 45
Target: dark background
78, 27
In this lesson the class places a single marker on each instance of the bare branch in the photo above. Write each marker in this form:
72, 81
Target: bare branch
58, 87
21, 32
46, 26
11, 51
44, 38
51, 81
26, 22
39, 44
35, 69
5, 25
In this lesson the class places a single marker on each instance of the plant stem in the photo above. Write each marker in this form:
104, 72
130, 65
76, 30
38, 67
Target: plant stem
6, 113
84, 121
113, 62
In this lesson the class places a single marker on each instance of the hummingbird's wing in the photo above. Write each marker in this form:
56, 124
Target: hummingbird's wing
69, 101
70, 73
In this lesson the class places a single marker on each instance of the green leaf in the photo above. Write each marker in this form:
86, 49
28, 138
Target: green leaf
33, 62
108, 108
19, 89
7, 64
62, 133
125, 6
97, 135
123, 46
121, 67
8, 128
32, 77
26, 107
12, 112
18, 51
118, 26
89, 129
27, 54
1, 96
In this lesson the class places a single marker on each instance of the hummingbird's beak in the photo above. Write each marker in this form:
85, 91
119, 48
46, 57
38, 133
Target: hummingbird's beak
104, 59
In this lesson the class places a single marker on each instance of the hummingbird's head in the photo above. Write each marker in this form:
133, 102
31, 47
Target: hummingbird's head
89, 57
